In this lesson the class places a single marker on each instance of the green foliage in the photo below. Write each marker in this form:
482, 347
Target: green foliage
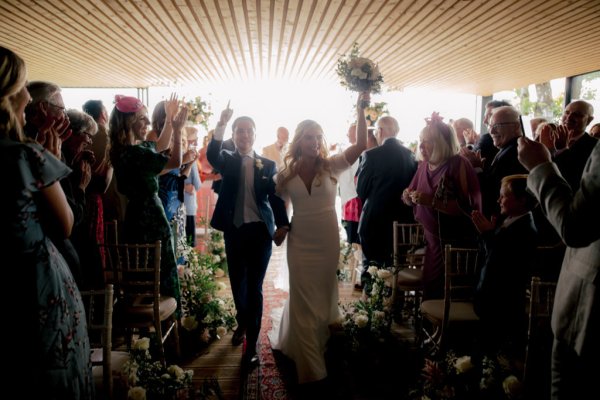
369, 320
374, 112
198, 112
158, 381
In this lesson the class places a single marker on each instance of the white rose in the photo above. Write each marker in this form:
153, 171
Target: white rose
219, 273
176, 371
189, 323
384, 274
136, 393
361, 320
512, 386
216, 258
142, 344
378, 315
221, 331
372, 270
463, 364
221, 286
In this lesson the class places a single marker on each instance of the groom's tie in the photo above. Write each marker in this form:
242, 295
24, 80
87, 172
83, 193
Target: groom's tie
238, 213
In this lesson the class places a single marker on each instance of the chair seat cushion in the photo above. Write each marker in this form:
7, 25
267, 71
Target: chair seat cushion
411, 278
138, 312
117, 361
459, 311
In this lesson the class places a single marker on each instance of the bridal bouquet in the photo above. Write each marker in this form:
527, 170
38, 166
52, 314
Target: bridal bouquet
359, 74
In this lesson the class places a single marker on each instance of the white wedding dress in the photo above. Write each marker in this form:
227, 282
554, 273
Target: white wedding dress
313, 251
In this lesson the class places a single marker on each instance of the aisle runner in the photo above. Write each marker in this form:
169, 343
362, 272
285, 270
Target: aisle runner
265, 382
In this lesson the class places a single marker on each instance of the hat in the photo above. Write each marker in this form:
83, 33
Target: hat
128, 104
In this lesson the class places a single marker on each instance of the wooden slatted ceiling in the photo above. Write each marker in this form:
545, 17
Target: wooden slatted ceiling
478, 46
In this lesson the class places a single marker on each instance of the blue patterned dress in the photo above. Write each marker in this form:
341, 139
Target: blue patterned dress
49, 346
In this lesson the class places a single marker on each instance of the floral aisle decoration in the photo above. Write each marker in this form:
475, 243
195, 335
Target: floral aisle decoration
368, 321
455, 377
204, 312
359, 74
149, 379
198, 112
374, 112
216, 247
344, 271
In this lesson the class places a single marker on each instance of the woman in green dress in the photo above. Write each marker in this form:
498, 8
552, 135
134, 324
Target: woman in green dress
137, 164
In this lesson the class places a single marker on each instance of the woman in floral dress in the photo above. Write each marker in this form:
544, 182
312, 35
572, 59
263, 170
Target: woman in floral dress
137, 164
48, 347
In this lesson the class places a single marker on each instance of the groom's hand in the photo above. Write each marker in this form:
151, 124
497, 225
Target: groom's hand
280, 234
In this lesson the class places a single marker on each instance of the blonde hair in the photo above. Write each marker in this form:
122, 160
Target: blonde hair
13, 77
294, 155
445, 143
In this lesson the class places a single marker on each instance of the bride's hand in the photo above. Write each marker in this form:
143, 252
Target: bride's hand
280, 235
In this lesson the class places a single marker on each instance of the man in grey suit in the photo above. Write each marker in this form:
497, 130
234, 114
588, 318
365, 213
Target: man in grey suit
576, 314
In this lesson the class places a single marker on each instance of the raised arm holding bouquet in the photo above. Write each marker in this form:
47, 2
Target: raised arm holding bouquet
359, 74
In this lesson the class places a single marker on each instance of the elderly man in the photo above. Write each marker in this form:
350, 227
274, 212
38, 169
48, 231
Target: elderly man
504, 130
576, 144
485, 145
576, 315
383, 174
276, 151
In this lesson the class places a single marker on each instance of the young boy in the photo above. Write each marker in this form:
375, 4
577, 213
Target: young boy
509, 251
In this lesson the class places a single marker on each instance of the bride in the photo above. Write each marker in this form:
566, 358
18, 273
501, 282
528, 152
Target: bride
309, 179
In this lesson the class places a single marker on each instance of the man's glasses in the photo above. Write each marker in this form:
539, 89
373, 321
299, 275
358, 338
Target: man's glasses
61, 108
499, 124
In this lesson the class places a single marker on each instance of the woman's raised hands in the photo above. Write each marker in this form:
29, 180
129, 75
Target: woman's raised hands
171, 106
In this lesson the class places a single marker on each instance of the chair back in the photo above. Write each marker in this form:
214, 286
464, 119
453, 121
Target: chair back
539, 333
407, 239
134, 269
99, 310
462, 274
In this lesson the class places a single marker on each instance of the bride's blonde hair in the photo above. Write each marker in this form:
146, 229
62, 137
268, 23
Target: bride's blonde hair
294, 156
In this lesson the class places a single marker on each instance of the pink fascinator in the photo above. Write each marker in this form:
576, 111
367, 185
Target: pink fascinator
434, 119
128, 104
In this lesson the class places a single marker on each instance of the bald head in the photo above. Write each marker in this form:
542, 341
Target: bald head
505, 125
577, 116
283, 135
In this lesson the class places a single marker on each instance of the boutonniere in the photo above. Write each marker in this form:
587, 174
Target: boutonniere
259, 164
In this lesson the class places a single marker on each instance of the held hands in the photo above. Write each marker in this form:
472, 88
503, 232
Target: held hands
280, 235
481, 222
531, 154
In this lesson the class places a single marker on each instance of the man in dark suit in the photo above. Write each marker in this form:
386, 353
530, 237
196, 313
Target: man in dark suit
247, 211
226, 145
579, 145
576, 312
384, 172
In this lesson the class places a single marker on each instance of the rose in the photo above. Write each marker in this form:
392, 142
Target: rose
221, 331
136, 393
206, 298
219, 273
142, 344
259, 164
189, 323
176, 371
221, 286
383, 274
372, 270
361, 320
463, 364
205, 337
512, 386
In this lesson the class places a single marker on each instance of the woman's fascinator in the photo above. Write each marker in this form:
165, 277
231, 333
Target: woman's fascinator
436, 121
128, 104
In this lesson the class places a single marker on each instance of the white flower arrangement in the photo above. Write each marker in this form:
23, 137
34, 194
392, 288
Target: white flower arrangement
198, 112
359, 74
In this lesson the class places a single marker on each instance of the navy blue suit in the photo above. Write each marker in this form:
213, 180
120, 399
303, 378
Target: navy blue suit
248, 247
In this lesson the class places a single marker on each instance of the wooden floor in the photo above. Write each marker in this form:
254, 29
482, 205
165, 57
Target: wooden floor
221, 360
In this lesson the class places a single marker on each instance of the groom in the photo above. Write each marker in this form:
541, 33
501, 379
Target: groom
246, 211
